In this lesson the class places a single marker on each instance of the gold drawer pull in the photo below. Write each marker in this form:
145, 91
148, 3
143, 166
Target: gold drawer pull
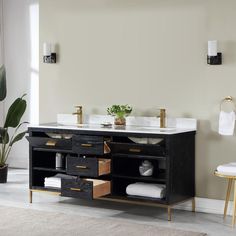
51, 143
135, 150
82, 167
76, 189
86, 145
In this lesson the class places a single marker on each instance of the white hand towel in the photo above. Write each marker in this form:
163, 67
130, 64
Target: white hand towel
229, 168
226, 123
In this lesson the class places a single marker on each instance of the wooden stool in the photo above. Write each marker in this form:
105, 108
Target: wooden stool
230, 178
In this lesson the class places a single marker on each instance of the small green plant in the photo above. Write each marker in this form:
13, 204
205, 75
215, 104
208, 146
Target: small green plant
13, 120
119, 111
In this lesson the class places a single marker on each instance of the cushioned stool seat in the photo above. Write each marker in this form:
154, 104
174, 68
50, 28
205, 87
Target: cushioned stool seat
228, 171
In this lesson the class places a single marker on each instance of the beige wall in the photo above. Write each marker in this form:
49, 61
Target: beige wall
149, 54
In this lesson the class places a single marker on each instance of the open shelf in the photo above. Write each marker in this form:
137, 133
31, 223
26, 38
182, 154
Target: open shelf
58, 170
53, 150
160, 179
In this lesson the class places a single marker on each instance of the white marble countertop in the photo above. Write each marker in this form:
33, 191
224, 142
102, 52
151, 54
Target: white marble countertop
120, 129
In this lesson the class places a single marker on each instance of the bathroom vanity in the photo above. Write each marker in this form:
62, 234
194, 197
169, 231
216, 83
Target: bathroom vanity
99, 162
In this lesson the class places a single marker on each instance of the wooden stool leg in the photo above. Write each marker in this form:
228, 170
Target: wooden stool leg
234, 210
30, 196
193, 205
169, 213
227, 196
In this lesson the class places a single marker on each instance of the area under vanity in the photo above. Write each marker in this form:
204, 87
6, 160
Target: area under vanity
108, 163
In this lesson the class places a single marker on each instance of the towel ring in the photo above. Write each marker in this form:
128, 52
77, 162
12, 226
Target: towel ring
227, 99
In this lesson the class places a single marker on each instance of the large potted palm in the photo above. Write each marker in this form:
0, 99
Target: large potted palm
12, 121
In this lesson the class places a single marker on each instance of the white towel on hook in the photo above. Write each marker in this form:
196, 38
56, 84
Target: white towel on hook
226, 123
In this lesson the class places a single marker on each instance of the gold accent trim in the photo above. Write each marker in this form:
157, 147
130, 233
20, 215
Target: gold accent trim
234, 212
30, 196
82, 167
51, 143
135, 150
86, 145
76, 189
169, 213
216, 173
227, 196
193, 205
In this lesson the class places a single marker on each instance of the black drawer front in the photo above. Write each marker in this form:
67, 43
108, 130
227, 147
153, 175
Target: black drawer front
84, 144
82, 166
50, 142
77, 189
138, 149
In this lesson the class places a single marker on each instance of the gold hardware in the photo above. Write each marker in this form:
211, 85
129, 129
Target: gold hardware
135, 150
79, 113
51, 143
227, 99
75, 189
86, 145
162, 118
82, 167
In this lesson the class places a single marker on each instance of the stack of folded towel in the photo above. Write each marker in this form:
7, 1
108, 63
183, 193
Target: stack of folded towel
146, 190
54, 181
227, 169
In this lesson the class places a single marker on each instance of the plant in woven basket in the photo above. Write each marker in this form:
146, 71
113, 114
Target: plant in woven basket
13, 122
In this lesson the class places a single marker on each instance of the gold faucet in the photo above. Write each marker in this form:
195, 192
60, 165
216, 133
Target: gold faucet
162, 118
79, 114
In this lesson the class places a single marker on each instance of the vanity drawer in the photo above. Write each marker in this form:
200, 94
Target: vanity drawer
89, 166
85, 188
42, 142
85, 144
138, 149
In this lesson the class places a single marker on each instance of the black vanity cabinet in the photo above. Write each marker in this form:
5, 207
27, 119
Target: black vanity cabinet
101, 164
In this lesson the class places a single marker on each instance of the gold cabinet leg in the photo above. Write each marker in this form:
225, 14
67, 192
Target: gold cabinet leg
30, 196
234, 210
169, 213
227, 196
193, 205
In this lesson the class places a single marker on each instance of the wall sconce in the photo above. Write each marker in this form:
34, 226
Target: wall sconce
49, 53
213, 57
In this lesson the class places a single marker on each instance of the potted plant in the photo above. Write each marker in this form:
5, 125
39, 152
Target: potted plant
12, 121
120, 112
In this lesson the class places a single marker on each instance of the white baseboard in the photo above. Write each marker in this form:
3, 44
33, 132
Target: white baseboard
207, 205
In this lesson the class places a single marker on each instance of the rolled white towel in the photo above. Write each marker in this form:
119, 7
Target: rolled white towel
229, 168
146, 190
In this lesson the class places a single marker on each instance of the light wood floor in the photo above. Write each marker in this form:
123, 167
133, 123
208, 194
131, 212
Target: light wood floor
15, 193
